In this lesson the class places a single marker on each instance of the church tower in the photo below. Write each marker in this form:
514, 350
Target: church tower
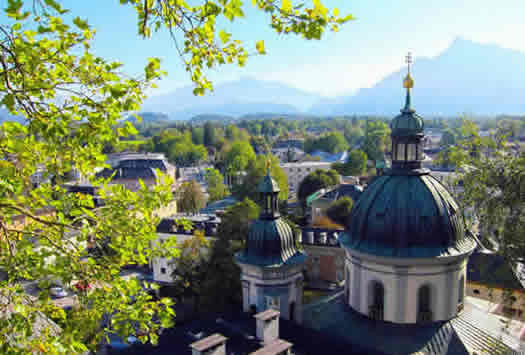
271, 265
406, 248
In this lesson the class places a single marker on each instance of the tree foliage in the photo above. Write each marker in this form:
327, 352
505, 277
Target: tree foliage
72, 101
333, 142
255, 171
339, 211
355, 165
236, 222
238, 157
493, 177
317, 180
217, 190
190, 271
191, 199
377, 140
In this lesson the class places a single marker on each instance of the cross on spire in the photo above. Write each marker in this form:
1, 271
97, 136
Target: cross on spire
408, 60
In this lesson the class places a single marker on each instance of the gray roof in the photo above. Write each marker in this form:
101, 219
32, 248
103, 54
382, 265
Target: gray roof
407, 216
472, 331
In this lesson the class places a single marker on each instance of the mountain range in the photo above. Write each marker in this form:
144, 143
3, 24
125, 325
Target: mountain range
468, 77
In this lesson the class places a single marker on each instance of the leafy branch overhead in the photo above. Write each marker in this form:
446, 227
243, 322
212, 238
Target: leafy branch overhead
204, 45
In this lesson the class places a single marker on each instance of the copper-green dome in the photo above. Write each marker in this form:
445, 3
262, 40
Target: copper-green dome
270, 243
268, 185
407, 216
407, 123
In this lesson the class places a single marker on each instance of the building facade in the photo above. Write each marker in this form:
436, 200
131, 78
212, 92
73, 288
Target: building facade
296, 172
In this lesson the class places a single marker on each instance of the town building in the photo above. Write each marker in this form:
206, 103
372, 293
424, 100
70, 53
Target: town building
319, 203
271, 265
296, 172
168, 228
128, 169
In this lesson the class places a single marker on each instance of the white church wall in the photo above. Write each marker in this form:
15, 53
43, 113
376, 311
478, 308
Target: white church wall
401, 284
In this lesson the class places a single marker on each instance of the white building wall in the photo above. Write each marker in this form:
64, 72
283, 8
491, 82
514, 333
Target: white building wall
253, 294
401, 284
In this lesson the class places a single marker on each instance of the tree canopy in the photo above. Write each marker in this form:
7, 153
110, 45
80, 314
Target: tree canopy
333, 142
377, 140
339, 211
355, 165
236, 222
255, 171
217, 190
493, 178
190, 199
317, 180
72, 102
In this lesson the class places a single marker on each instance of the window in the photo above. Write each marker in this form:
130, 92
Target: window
163, 270
400, 152
411, 152
376, 308
476, 292
424, 313
273, 302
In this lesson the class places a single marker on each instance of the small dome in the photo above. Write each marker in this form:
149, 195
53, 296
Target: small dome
268, 185
407, 123
410, 216
270, 242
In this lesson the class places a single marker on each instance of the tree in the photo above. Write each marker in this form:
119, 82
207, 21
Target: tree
71, 101
493, 178
333, 142
216, 188
209, 135
317, 180
255, 171
191, 198
236, 222
448, 138
355, 164
376, 140
238, 157
340, 210
190, 269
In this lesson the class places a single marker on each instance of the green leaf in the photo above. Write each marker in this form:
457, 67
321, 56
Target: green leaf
260, 47
224, 36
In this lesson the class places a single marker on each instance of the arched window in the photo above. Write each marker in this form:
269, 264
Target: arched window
424, 311
461, 292
376, 308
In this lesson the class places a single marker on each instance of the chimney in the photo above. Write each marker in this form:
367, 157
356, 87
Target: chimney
267, 326
213, 345
277, 347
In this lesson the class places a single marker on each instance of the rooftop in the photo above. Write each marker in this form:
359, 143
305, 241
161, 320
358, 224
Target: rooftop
208, 342
274, 348
474, 330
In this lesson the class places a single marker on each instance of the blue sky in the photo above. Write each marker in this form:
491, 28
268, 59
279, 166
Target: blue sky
362, 53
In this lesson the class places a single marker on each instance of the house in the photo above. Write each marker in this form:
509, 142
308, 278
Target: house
168, 228
296, 172
319, 203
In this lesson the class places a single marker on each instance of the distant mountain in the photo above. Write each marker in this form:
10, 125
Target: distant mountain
150, 117
467, 77
236, 98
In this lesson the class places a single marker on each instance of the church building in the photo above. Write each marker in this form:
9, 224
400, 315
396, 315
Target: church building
272, 266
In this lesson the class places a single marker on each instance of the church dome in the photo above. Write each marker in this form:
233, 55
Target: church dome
407, 212
410, 216
270, 241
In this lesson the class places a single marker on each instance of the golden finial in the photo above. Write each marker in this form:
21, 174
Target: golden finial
268, 163
408, 83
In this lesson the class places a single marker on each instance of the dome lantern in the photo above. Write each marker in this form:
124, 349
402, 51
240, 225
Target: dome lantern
407, 134
268, 190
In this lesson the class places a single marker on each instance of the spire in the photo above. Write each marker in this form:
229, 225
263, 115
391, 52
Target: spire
408, 83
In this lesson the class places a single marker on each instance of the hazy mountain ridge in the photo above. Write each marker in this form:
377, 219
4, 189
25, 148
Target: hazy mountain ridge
467, 78
236, 98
